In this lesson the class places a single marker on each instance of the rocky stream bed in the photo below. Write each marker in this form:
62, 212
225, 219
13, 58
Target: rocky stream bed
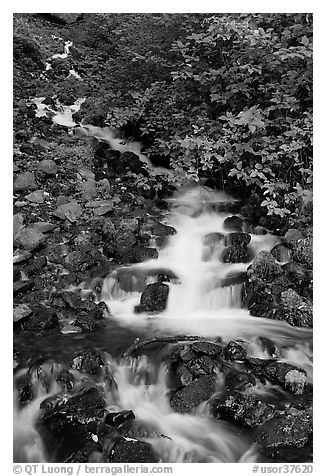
116, 358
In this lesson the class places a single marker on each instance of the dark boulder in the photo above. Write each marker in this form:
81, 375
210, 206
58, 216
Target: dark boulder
234, 351
118, 419
155, 296
292, 236
204, 365
264, 267
237, 239
188, 398
303, 252
233, 223
129, 450
236, 254
245, 410
290, 431
206, 348
89, 362
42, 319
297, 273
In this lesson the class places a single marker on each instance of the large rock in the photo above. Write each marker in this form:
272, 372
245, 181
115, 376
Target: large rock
188, 398
295, 309
245, 410
48, 167
24, 182
302, 252
237, 239
264, 267
30, 239
206, 348
70, 211
43, 319
291, 431
129, 450
155, 296
236, 254
64, 18
292, 236
89, 362
233, 223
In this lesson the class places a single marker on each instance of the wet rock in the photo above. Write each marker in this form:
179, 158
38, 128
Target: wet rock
236, 254
233, 223
31, 239
21, 311
264, 267
70, 211
203, 366
36, 197
117, 419
258, 298
281, 253
129, 450
25, 182
283, 432
155, 297
188, 398
159, 229
187, 354
43, 319
245, 410
303, 252
288, 376
296, 310
184, 375
297, 273
237, 239
206, 348
89, 362
292, 236
234, 351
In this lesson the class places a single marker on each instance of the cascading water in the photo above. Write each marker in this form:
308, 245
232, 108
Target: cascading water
202, 301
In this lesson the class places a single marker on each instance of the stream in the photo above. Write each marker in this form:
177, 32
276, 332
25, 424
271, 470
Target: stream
205, 299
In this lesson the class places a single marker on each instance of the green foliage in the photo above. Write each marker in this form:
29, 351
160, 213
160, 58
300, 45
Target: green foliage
225, 96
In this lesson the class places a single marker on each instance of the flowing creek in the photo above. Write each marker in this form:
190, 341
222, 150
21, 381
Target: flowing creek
205, 299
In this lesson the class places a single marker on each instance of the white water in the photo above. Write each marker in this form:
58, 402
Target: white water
196, 305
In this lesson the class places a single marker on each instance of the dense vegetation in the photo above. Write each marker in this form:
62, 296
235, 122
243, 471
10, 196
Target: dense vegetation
230, 98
